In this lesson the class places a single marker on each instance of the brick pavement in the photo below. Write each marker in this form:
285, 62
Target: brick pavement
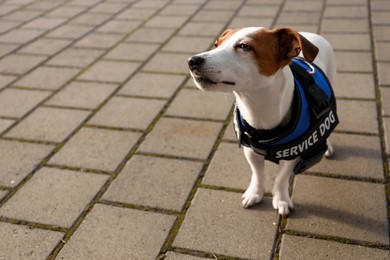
107, 151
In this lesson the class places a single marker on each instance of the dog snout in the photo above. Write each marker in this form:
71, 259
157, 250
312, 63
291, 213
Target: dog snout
195, 62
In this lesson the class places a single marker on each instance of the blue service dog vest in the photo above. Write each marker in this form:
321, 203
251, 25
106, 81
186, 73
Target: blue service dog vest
313, 119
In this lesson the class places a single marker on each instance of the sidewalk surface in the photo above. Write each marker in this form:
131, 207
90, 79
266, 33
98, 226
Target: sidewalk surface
108, 151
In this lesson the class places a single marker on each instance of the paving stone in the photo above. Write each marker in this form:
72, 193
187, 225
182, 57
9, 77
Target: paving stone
136, 14
202, 29
132, 51
90, 19
346, 12
75, 57
383, 51
65, 11
381, 33
96, 149
49, 124
20, 36
352, 113
355, 156
19, 64
7, 48
45, 46
354, 85
19, 159
311, 17
45, 23
5, 80
179, 137
346, 2
221, 4
349, 42
259, 11
381, 17
3, 193
169, 182
168, 63
294, 247
383, 75
166, 21
177, 256
386, 122
7, 25
27, 243
385, 96
182, 10
44, 5
333, 207
152, 85
5, 123
213, 16
82, 95
118, 233
155, 4
119, 26
69, 31
152, 35
199, 104
345, 25
230, 135
85, 3
132, 113
303, 5
189, 44
98, 40
239, 22
217, 223
354, 61
109, 8
47, 78
63, 194
118, 72
299, 27
18, 102
230, 169
380, 5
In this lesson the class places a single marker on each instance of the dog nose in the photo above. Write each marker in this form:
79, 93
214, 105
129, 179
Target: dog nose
195, 62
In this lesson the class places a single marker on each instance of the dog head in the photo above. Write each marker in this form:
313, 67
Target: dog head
248, 58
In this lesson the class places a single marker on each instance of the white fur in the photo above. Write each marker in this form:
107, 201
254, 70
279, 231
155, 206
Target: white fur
264, 102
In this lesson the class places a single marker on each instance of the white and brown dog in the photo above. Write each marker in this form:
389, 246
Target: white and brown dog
253, 64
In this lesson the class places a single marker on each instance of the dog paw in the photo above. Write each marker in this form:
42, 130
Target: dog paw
329, 152
283, 206
251, 197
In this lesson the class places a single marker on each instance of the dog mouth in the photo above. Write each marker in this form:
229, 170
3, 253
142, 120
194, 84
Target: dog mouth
208, 81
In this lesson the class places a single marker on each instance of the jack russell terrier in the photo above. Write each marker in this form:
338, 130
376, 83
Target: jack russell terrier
285, 106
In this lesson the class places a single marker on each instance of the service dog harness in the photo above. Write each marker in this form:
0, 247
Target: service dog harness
313, 119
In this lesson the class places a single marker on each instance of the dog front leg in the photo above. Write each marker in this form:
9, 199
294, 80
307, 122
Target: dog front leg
255, 192
281, 200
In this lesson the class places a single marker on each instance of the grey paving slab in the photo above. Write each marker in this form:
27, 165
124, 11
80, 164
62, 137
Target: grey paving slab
5, 123
118, 72
126, 112
225, 5
188, 44
202, 29
386, 122
385, 97
383, 75
49, 124
173, 63
228, 229
302, 5
109, 8
381, 33
354, 85
381, 17
352, 25
82, 95
47, 78
20, 36
382, 51
75, 57
346, 11
44, 23
152, 35
7, 25
119, 26
19, 159
69, 31
154, 4
333, 207
98, 40
92, 19
45, 46
355, 156
180, 137
354, 61
7, 48
118, 233
65, 11
62, 193
96, 149
177, 256
198, 104
179, 9
18, 102
3, 193
125, 51
169, 182
349, 42
213, 15
352, 113
229, 134
136, 13
380, 5
294, 247
230, 169
19, 64
152, 85
259, 10
311, 17
27, 243
166, 21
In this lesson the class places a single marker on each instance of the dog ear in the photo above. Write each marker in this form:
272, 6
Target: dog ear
291, 43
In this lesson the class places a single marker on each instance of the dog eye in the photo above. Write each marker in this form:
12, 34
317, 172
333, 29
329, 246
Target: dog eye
243, 46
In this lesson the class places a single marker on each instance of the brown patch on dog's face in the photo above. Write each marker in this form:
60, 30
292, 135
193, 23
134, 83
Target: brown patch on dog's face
225, 35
